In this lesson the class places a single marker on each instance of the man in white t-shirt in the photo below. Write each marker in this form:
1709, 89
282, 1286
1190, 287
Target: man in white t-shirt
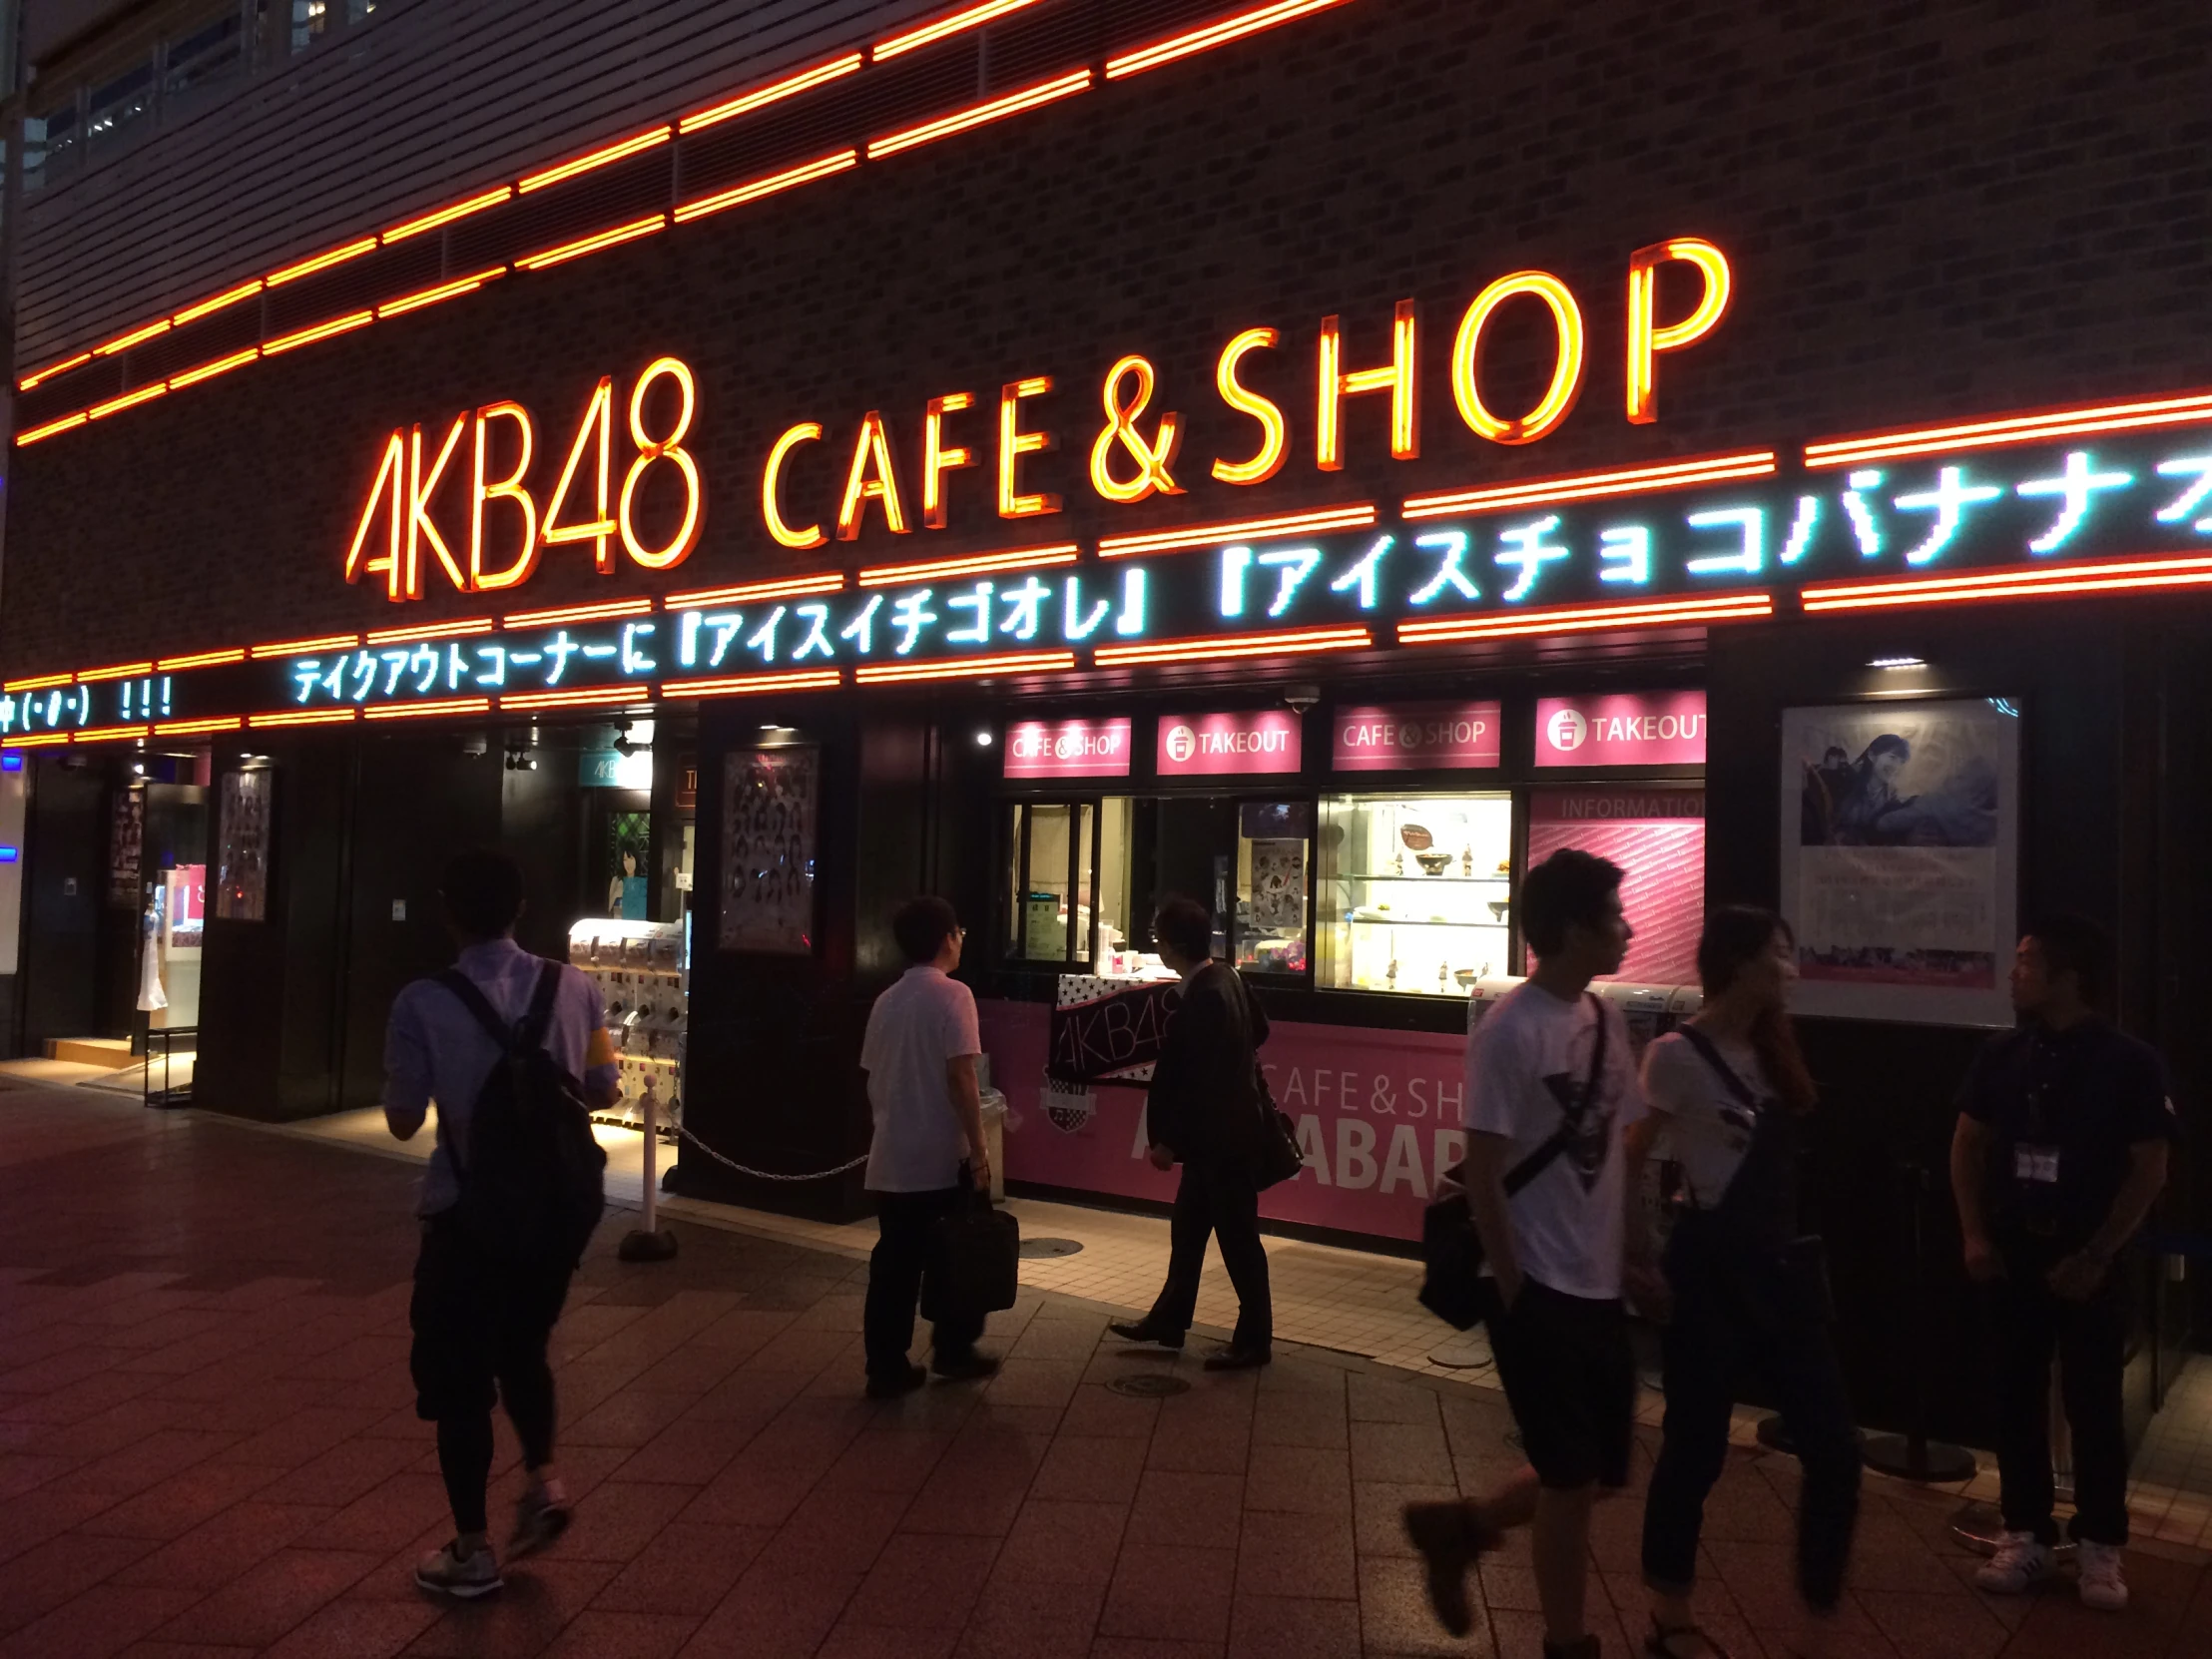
919, 1056
1551, 1086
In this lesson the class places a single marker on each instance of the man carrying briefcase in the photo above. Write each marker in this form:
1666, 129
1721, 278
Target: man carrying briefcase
919, 1056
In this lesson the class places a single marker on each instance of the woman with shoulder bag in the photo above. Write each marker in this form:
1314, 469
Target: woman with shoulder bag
1203, 1111
1747, 1291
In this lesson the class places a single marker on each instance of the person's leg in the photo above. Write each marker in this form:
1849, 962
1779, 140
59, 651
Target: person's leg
2027, 1331
1693, 1447
2093, 1359
1559, 1548
893, 1283
1235, 1209
464, 1464
450, 1360
1188, 1230
1808, 1382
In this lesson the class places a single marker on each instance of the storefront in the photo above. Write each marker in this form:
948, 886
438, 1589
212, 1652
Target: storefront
1130, 543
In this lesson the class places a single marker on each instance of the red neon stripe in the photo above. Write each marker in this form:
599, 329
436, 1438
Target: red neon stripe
928, 570
1028, 662
575, 699
2009, 429
774, 92
943, 28
2103, 576
1349, 517
789, 587
1205, 38
443, 705
430, 631
577, 612
975, 115
741, 684
1290, 643
302, 717
1587, 618
1583, 486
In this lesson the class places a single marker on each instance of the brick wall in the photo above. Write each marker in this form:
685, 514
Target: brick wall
1933, 210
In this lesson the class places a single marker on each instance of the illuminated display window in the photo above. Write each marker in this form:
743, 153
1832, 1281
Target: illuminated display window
1275, 848
1068, 874
1415, 891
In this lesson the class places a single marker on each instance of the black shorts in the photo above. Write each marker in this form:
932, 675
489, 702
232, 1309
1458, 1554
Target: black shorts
475, 1319
1570, 1378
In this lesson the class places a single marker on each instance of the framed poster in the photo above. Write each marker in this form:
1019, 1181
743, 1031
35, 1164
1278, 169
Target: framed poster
768, 848
242, 846
1901, 833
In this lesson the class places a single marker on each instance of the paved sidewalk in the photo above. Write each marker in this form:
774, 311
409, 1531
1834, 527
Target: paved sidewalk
208, 1448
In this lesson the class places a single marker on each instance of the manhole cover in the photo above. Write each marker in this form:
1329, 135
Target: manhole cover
1050, 1247
1150, 1385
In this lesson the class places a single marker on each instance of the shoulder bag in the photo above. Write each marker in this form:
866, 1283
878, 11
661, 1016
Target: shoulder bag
1276, 1157
1455, 1287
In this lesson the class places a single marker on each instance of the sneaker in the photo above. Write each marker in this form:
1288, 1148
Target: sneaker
2019, 1561
970, 1366
894, 1384
541, 1515
2100, 1583
1449, 1537
449, 1572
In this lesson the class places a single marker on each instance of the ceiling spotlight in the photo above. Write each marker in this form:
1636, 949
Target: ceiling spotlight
1892, 663
982, 736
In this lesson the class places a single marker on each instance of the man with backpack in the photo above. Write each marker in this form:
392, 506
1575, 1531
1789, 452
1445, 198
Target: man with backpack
514, 1050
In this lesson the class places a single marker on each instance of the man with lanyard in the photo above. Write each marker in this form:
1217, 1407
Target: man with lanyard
2059, 1153
1550, 1086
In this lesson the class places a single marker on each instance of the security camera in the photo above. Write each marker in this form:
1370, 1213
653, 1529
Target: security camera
1301, 698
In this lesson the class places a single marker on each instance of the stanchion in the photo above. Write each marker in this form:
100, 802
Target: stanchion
651, 1241
1913, 1456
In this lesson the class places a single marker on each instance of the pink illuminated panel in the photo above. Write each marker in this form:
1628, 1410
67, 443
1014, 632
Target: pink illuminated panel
1068, 749
1415, 736
1660, 729
1248, 742
1657, 836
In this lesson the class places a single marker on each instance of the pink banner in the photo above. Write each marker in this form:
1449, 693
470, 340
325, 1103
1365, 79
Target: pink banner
1657, 836
1414, 737
1662, 729
1252, 740
1068, 749
1378, 1113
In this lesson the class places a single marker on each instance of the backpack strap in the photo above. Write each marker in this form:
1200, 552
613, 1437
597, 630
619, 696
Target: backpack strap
1545, 1155
522, 1035
479, 1004
1727, 1073
538, 1019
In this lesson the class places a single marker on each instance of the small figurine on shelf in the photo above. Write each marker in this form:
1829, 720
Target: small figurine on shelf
1390, 978
1397, 862
1467, 860
1442, 975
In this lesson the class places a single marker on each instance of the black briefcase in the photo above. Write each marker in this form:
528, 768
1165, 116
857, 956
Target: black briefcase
974, 1265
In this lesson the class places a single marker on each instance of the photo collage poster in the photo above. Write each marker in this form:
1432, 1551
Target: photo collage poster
1899, 829
241, 854
767, 849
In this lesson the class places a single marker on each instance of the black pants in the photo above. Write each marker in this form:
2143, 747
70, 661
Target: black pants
2090, 1340
905, 1224
1217, 1199
481, 1327
1731, 1317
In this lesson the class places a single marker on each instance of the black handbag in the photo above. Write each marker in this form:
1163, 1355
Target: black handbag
1276, 1156
975, 1264
1455, 1288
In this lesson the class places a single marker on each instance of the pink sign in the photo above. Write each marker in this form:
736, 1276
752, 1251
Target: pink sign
1609, 805
1660, 729
1261, 740
1657, 836
1068, 749
1414, 737
1378, 1115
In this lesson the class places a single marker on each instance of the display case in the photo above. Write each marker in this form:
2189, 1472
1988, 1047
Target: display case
1415, 892
643, 971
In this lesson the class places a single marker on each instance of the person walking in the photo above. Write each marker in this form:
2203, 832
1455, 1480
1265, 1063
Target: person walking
919, 1056
1746, 1294
2060, 1150
1203, 1111
1551, 1085
487, 1287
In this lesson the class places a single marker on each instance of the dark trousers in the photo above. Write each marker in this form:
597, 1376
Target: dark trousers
1217, 1199
2090, 1340
906, 1224
481, 1326
1729, 1318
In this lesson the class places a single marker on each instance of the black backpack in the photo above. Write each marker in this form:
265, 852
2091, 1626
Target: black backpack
532, 1180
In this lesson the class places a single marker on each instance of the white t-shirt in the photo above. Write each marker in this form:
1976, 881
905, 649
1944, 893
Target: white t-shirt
1710, 1129
923, 1021
1527, 1060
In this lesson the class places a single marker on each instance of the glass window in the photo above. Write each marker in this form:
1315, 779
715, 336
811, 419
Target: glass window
310, 18
50, 144
1067, 882
207, 53
1273, 843
120, 102
1415, 891
360, 11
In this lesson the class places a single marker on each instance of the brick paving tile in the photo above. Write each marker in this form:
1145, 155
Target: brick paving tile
215, 1454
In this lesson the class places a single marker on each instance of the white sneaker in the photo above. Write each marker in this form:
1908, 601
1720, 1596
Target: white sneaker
541, 1515
449, 1572
2018, 1562
2100, 1583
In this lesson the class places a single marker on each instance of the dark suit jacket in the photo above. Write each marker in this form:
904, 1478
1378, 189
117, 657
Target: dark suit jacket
1203, 1104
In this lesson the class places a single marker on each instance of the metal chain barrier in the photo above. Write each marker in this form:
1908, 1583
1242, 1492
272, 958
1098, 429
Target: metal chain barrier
767, 1175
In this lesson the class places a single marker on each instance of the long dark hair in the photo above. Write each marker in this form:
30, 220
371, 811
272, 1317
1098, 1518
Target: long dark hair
1736, 936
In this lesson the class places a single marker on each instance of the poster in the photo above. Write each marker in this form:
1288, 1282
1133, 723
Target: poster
767, 849
241, 851
1279, 886
1900, 831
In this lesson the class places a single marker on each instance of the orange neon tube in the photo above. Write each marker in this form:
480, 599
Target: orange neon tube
447, 214
636, 144
1585, 486
441, 705
752, 190
185, 728
23, 440
745, 103
321, 262
123, 343
576, 249
38, 681
2006, 429
129, 399
1205, 39
203, 659
299, 648
1586, 619
1566, 388
975, 115
1289, 642
2103, 576
116, 671
444, 290
927, 34
50, 369
789, 587
208, 371
430, 631
1647, 337
107, 733
575, 699
40, 741
1021, 661
215, 302
302, 717
743, 685
322, 330
577, 612
1349, 517
931, 570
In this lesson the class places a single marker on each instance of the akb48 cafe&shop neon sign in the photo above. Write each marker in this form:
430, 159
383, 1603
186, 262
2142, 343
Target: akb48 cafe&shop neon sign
2063, 502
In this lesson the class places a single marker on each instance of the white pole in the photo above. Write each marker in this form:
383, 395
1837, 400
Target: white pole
652, 1160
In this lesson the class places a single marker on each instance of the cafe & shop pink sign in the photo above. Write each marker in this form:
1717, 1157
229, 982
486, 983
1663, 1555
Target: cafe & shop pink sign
1661, 729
